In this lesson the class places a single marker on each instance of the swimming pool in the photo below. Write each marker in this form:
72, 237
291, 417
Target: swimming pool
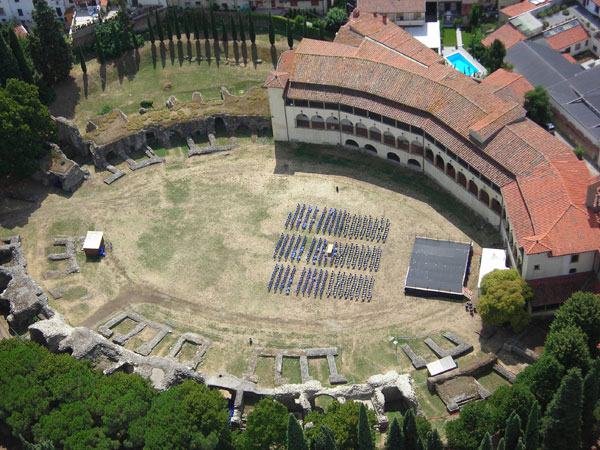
462, 64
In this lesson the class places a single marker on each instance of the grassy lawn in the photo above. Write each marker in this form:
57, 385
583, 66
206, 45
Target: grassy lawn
448, 37
467, 38
157, 72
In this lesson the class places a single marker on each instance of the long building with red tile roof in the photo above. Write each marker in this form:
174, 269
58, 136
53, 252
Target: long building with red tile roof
507, 34
560, 41
377, 88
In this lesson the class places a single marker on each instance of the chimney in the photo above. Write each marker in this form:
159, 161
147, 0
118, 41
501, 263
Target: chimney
592, 200
374, 14
356, 13
384, 20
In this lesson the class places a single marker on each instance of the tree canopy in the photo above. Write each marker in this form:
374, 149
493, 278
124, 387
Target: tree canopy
537, 105
336, 17
25, 127
569, 346
51, 53
504, 296
266, 427
582, 310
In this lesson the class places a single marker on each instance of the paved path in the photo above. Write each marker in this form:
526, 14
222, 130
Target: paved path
459, 37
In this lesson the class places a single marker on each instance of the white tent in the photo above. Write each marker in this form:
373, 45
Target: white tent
491, 259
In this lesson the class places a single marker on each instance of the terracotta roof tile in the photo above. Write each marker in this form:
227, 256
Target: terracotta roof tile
567, 38
520, 8
277, 79
569, 58
509, 86
507, 34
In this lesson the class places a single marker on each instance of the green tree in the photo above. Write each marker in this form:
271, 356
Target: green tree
251, 31
204, 23
365, 437
537, 105
25, 127
409, 430
213, 25
506, 401
176, 20
562, 423
47, 45
233, 29
569, 346
150, 30
266, 427
81, 59
394, 439
590, 399
486, 443
295, 436
495, 54
186, 25
520, 445
321, 32
335, 18
9, 67
99, 52
475, 16
136, 41
24, 68
241, 22
159, 28
168, 26
43, 445
323, 441
504, 296
290, 37
195, 26
513, 431
434, 441
271, 30
304, 27
582, 310
116, 39
532, 430
542, 378
579, 152
501, 445
475, 420
224, 32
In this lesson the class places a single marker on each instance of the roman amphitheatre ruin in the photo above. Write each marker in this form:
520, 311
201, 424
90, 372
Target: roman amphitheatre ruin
190, 229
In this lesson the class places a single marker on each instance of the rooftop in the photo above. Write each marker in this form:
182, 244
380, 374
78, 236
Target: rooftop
568, 37
391, 6
522, 7
508, 85
507, 34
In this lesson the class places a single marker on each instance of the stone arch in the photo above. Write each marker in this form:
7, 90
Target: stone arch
302, 121
389, 139
429, 155
317, 122
370, 148
375, 134
414, 163
393, 157
361, 130
462, 180
450, 171
351, 143
439, 162
416, 148
332, 123
473, 189
403, 144
484, 197
220, 127
497, 207
347, 126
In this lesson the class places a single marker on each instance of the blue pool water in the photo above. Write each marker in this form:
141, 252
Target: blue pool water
461, 64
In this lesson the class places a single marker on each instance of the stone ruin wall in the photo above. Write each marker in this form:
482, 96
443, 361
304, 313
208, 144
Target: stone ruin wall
26, 307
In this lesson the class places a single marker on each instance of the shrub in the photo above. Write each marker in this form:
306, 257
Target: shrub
579, 152
147, 103
565, 12
105, 110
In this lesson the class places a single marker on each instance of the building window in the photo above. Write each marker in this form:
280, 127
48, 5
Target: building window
20, 12
1, 11
58, 12
568, 50
573, 270
574, 259
577, 46
315, 3
536, 267
293, 3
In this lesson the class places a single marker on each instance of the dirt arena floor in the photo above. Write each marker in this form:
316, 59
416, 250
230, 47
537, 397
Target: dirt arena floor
192, 244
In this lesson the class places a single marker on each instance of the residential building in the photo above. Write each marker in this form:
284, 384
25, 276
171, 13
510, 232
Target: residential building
404, 13
377, 89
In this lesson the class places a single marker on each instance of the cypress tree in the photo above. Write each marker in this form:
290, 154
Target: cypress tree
328, 439
304, 27
116, 39
251, 27
295, 436
420, 444
562, 422
520, 445
176, 18
13, 42
271, 30
290, 38
224, 32
409, 428
513, 431
486, 442
532, 431
196, 27
81, 59
169, 27
365, 440
590, 397
321, 32
186, 25
150, 30
213, 25
99, 52
242, 33
233, 30
394, 439
434, 441
9, 68
204, 24
136, 44
159, 29
501, 445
